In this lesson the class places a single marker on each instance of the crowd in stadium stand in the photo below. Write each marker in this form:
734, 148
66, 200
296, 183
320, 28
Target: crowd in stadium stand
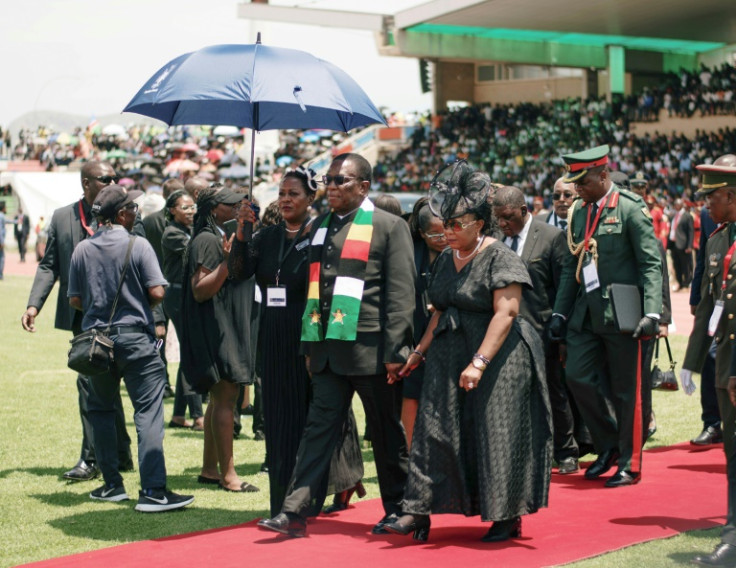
517, 144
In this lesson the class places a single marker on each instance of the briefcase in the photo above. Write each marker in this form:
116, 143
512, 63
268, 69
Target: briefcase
626, 304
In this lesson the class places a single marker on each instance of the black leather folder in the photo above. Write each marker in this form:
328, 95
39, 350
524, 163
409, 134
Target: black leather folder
626, 303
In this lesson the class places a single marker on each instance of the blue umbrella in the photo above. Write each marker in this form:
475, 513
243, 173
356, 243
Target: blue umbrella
282, 161
234, 172
255, 86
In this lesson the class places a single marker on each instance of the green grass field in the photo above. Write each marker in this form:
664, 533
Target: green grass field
44, 517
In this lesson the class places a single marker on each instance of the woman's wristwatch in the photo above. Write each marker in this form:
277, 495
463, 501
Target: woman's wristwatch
480, 362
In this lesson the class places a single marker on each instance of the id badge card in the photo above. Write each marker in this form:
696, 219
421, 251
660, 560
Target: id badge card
715, 317
276, 297
590, 276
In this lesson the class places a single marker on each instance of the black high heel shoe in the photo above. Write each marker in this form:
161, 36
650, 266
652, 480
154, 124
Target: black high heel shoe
418, 524
503, 530
342, 499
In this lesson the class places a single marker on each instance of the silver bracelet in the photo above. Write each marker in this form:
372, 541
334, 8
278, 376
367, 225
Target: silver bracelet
420, 354
486, 360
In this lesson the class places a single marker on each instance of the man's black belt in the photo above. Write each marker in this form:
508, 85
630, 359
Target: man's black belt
120, 329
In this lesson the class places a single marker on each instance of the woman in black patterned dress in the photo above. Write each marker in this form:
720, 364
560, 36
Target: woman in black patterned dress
483, 436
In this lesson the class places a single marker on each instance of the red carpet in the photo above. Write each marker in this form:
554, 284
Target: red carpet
683, 489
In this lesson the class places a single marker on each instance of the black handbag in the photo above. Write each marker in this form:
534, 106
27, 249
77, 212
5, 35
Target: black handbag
92, 351
664, 380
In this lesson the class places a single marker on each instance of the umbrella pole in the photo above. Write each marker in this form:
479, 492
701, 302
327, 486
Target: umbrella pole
252, 161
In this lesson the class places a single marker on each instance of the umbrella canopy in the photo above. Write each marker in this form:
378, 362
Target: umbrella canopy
114, 130
282, 161
181, 166
226, 130
116, 154
235, 172
255, 86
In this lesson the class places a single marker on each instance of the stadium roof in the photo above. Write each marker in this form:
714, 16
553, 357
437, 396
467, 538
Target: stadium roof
669, 26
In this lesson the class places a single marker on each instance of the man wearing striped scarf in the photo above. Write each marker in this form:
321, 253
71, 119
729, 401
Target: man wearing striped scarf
357, 333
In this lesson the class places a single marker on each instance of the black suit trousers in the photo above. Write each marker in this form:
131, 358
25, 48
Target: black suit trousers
328, 411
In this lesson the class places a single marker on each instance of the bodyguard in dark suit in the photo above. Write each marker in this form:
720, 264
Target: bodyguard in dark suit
543, 248
680, 244
719, 285
22, 230
357, 332
612, 242
68, 227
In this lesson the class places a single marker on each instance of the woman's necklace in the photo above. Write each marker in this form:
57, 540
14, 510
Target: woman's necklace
296, 230
476, 249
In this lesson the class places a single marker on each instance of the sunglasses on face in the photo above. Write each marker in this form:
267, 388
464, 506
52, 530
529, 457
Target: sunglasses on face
132, 207
565, 194
187, 207
457, 226
435, 236
107, 180
338, 179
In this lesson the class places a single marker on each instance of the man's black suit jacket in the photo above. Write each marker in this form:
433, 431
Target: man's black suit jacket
154, 225
544, 253
684, 232
386, 314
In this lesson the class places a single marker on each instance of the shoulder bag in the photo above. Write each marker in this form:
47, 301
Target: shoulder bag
91, 352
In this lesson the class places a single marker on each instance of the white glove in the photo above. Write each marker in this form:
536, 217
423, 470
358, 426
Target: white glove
686, 380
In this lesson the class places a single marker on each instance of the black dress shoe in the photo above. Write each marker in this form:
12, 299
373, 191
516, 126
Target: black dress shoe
605, 461
380, 526
709, 435
417, 524
293, 526
503, 530
568, 466
623, 477
723, 555
83, 471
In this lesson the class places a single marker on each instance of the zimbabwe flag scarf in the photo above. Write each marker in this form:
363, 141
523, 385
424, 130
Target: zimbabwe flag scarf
348, 291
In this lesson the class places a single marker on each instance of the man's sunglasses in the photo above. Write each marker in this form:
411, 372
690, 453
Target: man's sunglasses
107, 180
558, 196
338, 179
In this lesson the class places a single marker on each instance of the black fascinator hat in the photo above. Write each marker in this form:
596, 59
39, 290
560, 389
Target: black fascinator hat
458, 189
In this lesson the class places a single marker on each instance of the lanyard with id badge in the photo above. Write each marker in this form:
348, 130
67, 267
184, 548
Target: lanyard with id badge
715, 317
590, 270
276, 295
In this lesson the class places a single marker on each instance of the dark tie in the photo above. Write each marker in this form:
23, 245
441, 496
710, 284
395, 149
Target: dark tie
595, 209
515, 243
563, 224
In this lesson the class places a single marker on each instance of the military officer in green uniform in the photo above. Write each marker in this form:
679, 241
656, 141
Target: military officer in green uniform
715, 317
611, 240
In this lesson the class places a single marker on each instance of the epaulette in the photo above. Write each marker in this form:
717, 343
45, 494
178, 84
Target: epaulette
630, 194
719, 228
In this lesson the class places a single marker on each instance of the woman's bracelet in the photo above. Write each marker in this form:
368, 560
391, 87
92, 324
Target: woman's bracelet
420, 354
486, 360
